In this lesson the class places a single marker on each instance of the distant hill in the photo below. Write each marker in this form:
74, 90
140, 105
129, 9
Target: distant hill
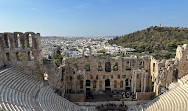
160, 41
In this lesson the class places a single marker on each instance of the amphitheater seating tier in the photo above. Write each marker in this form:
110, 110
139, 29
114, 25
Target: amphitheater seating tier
22, 92
176, 99
47, 97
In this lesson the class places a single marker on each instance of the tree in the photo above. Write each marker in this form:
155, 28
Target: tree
57, 59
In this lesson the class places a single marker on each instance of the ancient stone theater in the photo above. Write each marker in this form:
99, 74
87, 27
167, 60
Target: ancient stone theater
142, 83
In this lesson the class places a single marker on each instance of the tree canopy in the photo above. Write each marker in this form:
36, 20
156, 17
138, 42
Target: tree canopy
160, 41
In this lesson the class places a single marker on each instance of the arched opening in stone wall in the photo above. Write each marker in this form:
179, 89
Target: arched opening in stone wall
94, 84
140, 83
115, 66
100, 66
152, 88
29, 40
30, 56
63, 73
70, 78
19, 56
107, 82
7, 42
87, 82
107, 86
153, 67
175, 75
118, 76
141, 64
87, 67
97, 77
127, 82
81, 84
107, 67
115, 84
79, 77
35, 44
8, 56
17, 40
128, 65
100, 84
121, 84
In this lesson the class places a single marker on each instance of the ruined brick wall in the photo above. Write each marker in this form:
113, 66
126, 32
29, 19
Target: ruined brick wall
22, 50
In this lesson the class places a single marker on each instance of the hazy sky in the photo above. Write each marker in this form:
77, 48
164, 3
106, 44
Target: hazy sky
90, 17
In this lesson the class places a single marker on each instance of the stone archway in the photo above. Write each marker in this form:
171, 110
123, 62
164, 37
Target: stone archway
107, 86
107, 82
175, 75
6, 41
107, 67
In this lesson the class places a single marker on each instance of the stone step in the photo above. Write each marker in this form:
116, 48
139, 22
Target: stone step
18, 92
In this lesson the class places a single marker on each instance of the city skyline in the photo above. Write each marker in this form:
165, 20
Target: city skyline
86, 18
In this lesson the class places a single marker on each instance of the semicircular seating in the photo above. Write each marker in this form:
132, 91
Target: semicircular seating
176, 99
49, 100
22, 92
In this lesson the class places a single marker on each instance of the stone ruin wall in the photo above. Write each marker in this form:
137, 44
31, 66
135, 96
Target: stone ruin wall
22, 50
54, 74
158, 74
118, 77
165, 72
182, 56
1, 51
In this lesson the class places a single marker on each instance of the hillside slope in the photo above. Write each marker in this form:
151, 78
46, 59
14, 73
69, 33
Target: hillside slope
160, 41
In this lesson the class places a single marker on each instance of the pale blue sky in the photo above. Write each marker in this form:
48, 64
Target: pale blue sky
90, 17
